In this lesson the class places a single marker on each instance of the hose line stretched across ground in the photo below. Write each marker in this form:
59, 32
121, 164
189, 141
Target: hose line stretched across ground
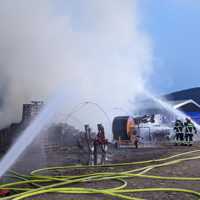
37, 183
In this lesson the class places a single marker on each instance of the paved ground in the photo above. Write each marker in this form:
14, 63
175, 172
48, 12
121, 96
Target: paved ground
185, 169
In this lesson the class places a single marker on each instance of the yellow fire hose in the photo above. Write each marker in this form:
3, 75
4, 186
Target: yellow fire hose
42, 184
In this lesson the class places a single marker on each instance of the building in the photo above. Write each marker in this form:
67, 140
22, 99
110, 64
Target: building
53, 138
186, 101
9, 134
31, 110
192, 93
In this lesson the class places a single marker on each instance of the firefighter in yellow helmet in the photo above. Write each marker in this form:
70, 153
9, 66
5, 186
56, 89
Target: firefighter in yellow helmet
190, 129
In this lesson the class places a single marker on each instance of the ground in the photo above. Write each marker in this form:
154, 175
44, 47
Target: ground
189, 168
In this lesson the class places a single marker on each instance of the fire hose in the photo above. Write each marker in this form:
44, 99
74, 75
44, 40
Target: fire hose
42, 184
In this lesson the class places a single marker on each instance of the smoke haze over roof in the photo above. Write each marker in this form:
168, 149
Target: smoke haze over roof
96, 49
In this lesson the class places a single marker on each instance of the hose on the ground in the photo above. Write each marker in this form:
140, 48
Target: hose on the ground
37, 183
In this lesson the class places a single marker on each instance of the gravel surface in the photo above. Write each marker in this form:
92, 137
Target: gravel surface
184, 169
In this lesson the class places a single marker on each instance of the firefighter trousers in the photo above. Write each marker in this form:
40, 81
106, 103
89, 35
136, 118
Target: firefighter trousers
179, 137
189, 138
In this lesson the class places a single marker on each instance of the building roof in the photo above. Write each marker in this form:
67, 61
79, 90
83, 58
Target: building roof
179, 104
188, 94
186, 105
185, 100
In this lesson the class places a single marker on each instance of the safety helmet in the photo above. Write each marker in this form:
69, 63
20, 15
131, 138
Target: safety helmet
188, 119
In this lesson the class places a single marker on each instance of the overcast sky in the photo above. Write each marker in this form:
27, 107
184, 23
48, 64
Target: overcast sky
174, 27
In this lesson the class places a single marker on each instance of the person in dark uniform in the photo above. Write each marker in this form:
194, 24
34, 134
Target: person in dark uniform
179, 135
189, 130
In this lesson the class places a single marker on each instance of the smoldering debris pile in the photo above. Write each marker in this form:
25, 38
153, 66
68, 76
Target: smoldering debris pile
58, 144
65, 144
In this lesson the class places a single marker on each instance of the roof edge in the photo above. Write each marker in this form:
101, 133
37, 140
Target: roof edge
186, 102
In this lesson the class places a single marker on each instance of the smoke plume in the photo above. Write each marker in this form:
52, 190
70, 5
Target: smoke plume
97, 49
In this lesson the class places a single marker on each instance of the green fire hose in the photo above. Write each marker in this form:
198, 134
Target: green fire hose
37, 183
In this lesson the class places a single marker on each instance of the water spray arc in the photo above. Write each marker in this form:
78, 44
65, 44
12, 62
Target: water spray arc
102, 110
80, 106
34, 129
75, 109
170, 108
43, 120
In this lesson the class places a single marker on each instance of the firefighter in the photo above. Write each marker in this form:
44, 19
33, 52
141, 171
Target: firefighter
101, 138
131, 132
179, 135
88, 138
189, 130
101, 134
134, 137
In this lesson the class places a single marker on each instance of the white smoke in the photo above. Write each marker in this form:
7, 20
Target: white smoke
97, 49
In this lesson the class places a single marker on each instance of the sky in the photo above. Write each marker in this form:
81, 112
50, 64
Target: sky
174, 28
